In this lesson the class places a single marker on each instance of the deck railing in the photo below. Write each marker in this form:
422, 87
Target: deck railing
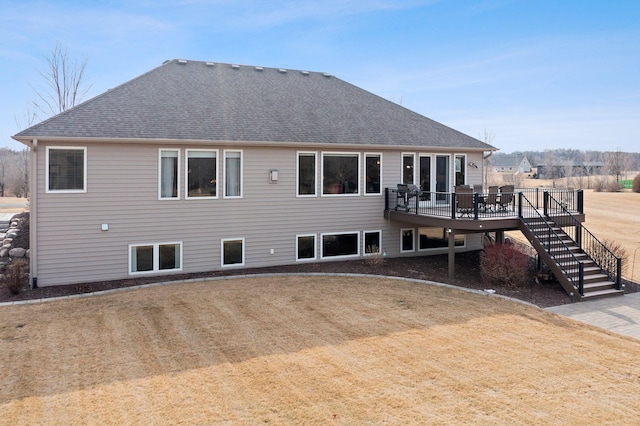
608, 261
445, 204
552, 243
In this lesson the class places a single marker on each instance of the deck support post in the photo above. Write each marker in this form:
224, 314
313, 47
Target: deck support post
500, 237
452, 253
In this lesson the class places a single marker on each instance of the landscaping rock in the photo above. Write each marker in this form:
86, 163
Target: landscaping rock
4, 252
17, 252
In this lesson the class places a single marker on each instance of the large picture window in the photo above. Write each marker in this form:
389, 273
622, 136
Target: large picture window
340, 173
66, 169
373, 166
169, 178
340, 245
432, 238
233, 252
148, 258
233, 174
306, 173
306, 247
201, 174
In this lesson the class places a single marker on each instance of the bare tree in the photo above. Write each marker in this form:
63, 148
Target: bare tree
617, 164
64, 84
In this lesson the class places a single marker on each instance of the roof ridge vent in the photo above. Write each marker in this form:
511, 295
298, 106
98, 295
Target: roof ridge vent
182, 61
304, 72
326, 74
282, 71
235, 66
209, 64
259, 68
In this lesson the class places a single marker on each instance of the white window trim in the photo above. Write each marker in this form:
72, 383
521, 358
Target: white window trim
348, 256
463, 165
406, 154
66, 191
364, 174
333, 153
315, 247
222, 241
186, 174
156, 258
413, 245
364, 248
224, 173
160, 197
315, 156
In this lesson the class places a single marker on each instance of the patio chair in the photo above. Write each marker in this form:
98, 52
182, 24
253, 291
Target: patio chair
490, 201
464, 200
506, 197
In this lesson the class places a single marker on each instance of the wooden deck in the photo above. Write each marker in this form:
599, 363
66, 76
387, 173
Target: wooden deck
443, 209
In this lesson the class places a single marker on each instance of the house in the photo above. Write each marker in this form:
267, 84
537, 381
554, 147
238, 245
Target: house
511, 164
201, 166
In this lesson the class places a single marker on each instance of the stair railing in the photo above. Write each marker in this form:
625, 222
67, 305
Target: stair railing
608, 261
562, 255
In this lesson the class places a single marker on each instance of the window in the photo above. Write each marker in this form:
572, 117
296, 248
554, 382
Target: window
340, 173
233, 174
407, 168
373, 163
305, 247
233, 252
306, 173
430, 238
461, 169
406, 240
372, 242
340, 245
146, 258
201, 174
169, 178
66, 169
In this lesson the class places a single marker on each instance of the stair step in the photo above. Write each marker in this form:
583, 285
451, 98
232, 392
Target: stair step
602, 293
599, 285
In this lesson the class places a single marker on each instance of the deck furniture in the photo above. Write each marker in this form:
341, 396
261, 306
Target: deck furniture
506, 197
464, 200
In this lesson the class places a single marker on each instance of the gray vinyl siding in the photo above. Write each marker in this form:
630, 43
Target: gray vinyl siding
122, 191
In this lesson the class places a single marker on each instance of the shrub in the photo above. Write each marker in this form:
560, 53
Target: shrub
635, 187
375, 259
619, 250
503, 265
16, 276
598, 185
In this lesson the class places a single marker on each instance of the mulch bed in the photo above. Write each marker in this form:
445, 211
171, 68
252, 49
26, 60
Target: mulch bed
431, 268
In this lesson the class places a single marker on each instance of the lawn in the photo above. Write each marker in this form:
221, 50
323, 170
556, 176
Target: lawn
309, 350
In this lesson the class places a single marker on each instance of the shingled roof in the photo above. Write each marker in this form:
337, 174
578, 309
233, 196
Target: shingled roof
204, 101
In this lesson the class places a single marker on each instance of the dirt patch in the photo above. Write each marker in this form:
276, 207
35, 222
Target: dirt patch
309, 350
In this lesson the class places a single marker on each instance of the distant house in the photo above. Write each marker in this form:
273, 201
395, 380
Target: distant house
570, 168
511, 164
200, 166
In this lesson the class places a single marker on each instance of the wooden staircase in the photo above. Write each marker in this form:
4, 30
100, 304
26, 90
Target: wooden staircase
568, 261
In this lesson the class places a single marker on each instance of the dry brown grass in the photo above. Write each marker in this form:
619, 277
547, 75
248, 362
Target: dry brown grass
310, 350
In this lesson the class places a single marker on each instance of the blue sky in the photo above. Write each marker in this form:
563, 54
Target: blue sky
536, 74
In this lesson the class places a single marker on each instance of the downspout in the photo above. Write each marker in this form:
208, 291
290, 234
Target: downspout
33, 217
485, 169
